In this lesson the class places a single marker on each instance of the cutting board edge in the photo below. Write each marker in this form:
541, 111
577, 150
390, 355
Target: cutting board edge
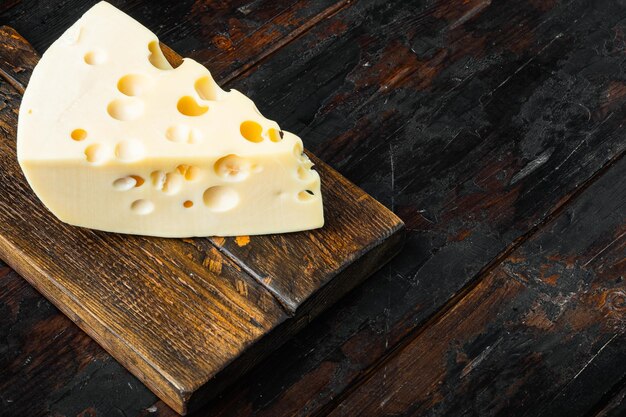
184, 400
372, 260
174, 396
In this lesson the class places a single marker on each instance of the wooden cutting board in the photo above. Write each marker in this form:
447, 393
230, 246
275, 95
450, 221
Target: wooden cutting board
186, 316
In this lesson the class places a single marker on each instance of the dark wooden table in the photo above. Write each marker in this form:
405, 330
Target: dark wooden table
495, 129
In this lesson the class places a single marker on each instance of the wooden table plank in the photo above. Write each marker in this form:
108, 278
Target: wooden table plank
230, 37
542, 334
16, 59
73, 373
485, 45
616, 406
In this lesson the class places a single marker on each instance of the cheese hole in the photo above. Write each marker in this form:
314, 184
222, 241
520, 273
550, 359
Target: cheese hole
125, 109
127, 183
124, 184
158, 179
232, 168
207, 89
173, 183
139, 181
189, 107
188, 204
133, 84
256, 168
96, 57
195, 136
306, 195
183, 133
304, 173
220, 198
189, 172
182, 169
129, 150
251, 131
274, 135
298, 150
95, 153
177, 133
157, 58
79, 134
142, 207
168, 182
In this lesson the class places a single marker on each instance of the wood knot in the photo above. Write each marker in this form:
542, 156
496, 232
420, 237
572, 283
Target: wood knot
222, 42
616, 300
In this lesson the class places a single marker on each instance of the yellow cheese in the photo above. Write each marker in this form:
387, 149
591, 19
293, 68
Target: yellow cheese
111, 137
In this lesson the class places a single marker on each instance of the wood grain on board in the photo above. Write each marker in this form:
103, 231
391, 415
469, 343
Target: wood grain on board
181, 314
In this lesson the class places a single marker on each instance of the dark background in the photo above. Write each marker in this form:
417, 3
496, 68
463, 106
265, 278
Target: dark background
494, 129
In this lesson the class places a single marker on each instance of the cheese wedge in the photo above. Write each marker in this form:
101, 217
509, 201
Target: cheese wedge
112, 137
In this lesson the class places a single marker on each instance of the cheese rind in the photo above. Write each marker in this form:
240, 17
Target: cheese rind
111, 137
